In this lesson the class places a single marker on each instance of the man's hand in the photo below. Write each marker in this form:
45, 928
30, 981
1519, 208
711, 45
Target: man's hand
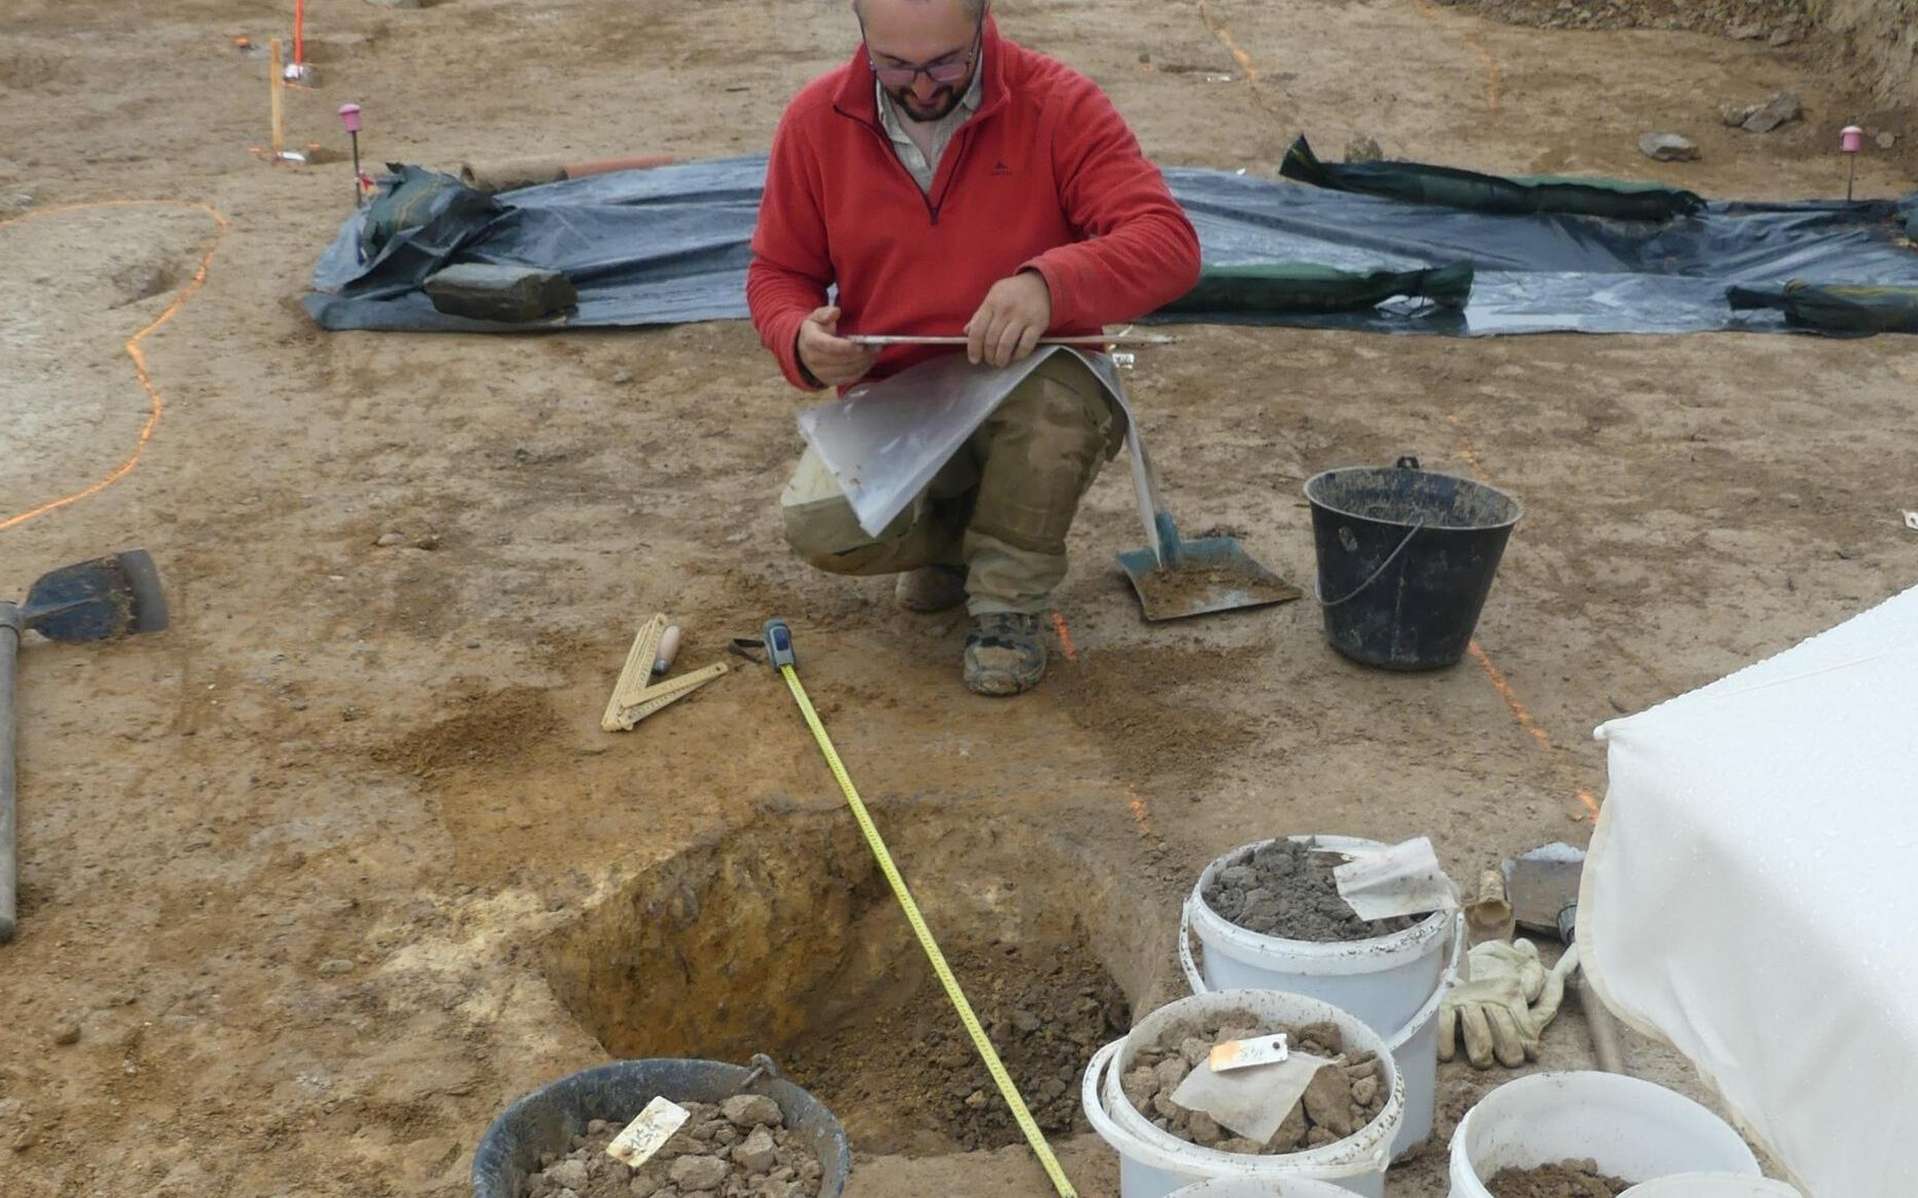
828, 357
1017, 312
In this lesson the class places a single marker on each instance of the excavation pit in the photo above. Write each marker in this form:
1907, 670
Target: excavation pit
783, 937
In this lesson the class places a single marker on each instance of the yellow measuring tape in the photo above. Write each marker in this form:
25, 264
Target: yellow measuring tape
778, 641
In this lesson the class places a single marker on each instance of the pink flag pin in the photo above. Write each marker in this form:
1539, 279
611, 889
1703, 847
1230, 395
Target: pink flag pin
1851, 139
350, 117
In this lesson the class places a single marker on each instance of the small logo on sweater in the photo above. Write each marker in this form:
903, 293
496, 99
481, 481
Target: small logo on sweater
1000, 168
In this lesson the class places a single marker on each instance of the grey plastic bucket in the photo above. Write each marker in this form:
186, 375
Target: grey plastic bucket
1406, 559
547, 1119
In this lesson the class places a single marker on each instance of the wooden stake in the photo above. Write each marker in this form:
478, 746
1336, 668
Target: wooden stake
276, 85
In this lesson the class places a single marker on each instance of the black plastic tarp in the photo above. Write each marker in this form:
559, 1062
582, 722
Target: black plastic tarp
671, 245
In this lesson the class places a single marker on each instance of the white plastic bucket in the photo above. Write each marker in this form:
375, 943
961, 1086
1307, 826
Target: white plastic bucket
1632, 1128
1712, 1185
1383, 980
1154, 1164
1238, 1187
1414, 1041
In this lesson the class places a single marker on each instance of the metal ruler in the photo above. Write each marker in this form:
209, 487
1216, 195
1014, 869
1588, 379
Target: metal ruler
779, 651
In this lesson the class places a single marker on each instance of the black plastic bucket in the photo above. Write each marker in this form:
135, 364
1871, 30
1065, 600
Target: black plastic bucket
1406, 558
547, 1119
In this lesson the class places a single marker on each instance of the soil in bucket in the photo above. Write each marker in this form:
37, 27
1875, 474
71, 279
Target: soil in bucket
1287, 889
1566, 1179
1342, 1098
738, 1149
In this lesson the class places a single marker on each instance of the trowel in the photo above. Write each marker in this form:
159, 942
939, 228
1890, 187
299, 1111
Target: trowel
1176, 578
1542, 887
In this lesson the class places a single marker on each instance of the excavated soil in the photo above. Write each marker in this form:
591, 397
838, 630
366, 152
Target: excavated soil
1288, 889
737, 1149
1342, 1097
911, 1064
1569, 1179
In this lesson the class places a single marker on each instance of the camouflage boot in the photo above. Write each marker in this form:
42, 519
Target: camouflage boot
1005, 654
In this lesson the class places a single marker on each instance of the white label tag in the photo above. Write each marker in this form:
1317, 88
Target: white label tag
1911, 521
1243, 1054
636, 1144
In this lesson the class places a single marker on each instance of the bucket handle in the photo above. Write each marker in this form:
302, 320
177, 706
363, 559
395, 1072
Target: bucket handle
1319, 594
1197, 983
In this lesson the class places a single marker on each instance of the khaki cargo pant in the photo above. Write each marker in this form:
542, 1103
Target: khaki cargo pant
1000, 509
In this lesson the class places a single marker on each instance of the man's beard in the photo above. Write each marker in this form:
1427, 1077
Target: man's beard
943, 102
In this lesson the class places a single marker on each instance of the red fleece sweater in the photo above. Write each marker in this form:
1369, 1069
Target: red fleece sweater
1045, 176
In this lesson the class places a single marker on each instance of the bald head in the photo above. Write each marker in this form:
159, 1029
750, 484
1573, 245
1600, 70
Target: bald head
969, 10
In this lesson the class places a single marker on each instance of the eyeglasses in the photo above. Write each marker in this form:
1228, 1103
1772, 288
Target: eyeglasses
940, 71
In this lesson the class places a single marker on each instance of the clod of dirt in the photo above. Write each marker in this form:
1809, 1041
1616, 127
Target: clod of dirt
740, 1149
1287, 889
1342, 1098
1045, 1011
1567, 1179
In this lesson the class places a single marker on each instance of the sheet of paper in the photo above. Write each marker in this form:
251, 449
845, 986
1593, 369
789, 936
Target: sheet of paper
1249, 1102
1404, 879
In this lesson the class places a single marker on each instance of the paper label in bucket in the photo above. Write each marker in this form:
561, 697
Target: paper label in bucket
1250, 1102
1243, 1054
640, 1139
1404, 879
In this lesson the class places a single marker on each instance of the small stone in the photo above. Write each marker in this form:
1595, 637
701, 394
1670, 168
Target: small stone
429, 542
1784, 37
1745, 33
977, 1099
335, 967
1139, 1086
1194, 1050
1319, 1137
1171, 1072
1291, 1132
1163, 1105
752, 1110
1204, 1129
389, 539
596, 1127
1737, 114
1328, 1101
1668, 147
569, 1173
758, 1154
66, 1032
1887, 140
699, 1172
1365, 1090
645, 1186
564, 1192
1236, 1144
1781, 109
622, 376
1026, 1022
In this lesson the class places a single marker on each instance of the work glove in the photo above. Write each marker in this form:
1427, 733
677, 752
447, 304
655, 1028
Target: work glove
1504, 1004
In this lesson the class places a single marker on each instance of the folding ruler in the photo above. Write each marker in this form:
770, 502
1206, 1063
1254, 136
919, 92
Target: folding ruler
636, 695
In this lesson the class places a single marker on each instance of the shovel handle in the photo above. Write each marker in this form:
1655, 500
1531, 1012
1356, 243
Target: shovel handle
9, 876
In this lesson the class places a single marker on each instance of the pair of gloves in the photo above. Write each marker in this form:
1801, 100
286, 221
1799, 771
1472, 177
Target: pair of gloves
1504, 1003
